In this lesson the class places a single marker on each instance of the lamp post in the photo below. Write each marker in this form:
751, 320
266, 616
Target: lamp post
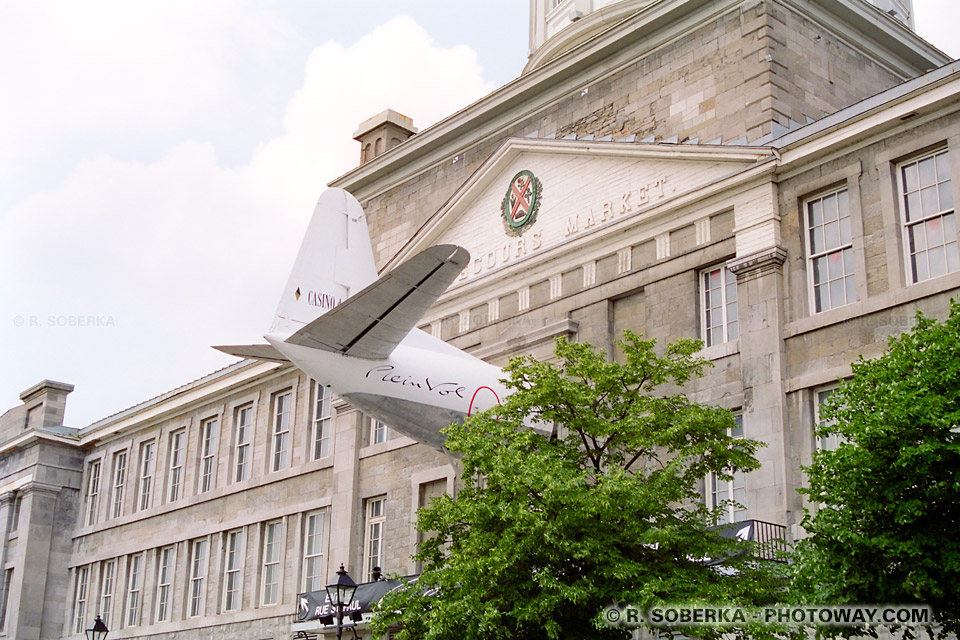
99, 630
340, 594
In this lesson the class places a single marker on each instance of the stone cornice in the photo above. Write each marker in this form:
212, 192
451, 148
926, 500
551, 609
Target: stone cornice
758, 264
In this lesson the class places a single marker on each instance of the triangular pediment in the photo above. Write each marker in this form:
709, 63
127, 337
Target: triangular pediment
567, 188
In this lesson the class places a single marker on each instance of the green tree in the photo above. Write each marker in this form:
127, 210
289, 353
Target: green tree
888, 528
547, 531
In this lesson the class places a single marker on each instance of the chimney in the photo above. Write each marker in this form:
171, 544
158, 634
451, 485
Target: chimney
382, 132
45, 404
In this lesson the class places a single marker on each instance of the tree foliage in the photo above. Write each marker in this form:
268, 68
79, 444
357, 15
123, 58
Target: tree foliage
548, 530
888, 528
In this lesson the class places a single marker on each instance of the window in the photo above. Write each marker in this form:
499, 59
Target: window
208, 450
80, 599
177, 441
314, 526
832, 441
379, 432
244, 422
5, 598
165, 562
134, 586
321, 421
119, 478
729, 495
830, 250
281, 429
231, 571
198, 572
93, 491
107, 571
373, 544
929, 227
719, 305
270, 574
147, 450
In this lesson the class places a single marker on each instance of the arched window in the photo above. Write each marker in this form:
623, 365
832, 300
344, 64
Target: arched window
378, 149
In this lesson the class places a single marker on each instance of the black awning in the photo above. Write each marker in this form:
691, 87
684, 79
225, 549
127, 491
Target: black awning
314, 605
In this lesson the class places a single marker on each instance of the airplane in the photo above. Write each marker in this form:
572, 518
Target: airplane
356, 332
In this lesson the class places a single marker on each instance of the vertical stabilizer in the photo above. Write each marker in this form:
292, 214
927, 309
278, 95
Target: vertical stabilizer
335, 261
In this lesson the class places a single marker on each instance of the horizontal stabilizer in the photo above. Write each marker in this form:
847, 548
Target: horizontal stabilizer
372, 323
254, 351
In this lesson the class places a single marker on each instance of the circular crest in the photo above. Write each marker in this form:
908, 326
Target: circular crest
521, 203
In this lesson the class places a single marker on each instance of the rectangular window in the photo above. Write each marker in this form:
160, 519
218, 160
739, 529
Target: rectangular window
281, 429
379, 432
231, 571
270, 574
165, 562
5, 598
80, 599
177, 442
198, 573
730, 495
830, 251
832, 441
929, 226
107, 572
93, 491
119, 478
147, 451
208, 452
718, 298
134, 587
314, 527
244, 422
373, 544
321, 421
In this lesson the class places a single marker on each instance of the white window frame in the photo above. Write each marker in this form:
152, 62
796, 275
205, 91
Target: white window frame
119, 480
820, 395
844, 250
80, 598
945, 183
134, 589
717, 487
322, 421
376, 520
166, 562
108, 574
208, 454
379, 431
199, 559
93, 490
178, 454
146, 468
730, 329
243, 421
314, 538
232, 569
270, 563
280, 430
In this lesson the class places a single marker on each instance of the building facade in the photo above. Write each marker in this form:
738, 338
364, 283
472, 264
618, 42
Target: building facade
774, 177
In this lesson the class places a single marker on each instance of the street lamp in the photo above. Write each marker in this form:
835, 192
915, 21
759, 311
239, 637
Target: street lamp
340, 594
99, 630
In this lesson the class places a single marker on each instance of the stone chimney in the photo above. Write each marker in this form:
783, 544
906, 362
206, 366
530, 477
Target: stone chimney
382, 132
45, 404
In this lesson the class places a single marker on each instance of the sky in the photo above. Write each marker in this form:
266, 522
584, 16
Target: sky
159, 161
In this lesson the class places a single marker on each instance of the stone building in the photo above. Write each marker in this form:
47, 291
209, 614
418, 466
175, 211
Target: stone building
771, 176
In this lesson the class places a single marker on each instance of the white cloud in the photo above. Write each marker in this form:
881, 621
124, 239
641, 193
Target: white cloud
181, 252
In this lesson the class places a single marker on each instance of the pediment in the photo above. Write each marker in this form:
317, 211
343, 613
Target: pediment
579, 188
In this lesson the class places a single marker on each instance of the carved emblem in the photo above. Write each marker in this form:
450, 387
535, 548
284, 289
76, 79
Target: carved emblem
521, 203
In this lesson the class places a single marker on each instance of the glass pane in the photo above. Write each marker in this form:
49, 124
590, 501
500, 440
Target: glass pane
910, 181
843, 203
953, 257
928, 172
851, 288
816, 213
913, 206
731, 291
934, 228
845, 230
920, 272
836, 293
848, 261
835, 260
946, 196
928, 197
732, 331
943, 166
830, 208
918, 238
831, 232
818, 297
816, 240
938, 261
949, 228
820, 270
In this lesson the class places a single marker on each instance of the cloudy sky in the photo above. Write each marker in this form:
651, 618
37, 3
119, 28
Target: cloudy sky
159, 161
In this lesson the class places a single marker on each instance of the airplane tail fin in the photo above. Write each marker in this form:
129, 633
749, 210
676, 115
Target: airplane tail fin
335, 261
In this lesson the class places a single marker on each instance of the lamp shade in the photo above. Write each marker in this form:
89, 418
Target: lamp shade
341, 592
99, 630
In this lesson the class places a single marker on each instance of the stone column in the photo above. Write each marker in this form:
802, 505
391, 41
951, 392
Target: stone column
346, 510
760, 307
8, 503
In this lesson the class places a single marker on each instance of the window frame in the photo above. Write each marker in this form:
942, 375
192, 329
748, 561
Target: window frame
725, 325
281, 426
831, 443
737, 483
232, 570
199, 563
166, 568
80, 595
313, 549
851, 245
146, 468
134, 603
375, 520
321, 420
107, 586
905, 224
176, 470
119, 479
94, 469
270, 563
240, 469
206, 476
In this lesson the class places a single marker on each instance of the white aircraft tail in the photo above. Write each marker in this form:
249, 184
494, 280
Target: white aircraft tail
335, 261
